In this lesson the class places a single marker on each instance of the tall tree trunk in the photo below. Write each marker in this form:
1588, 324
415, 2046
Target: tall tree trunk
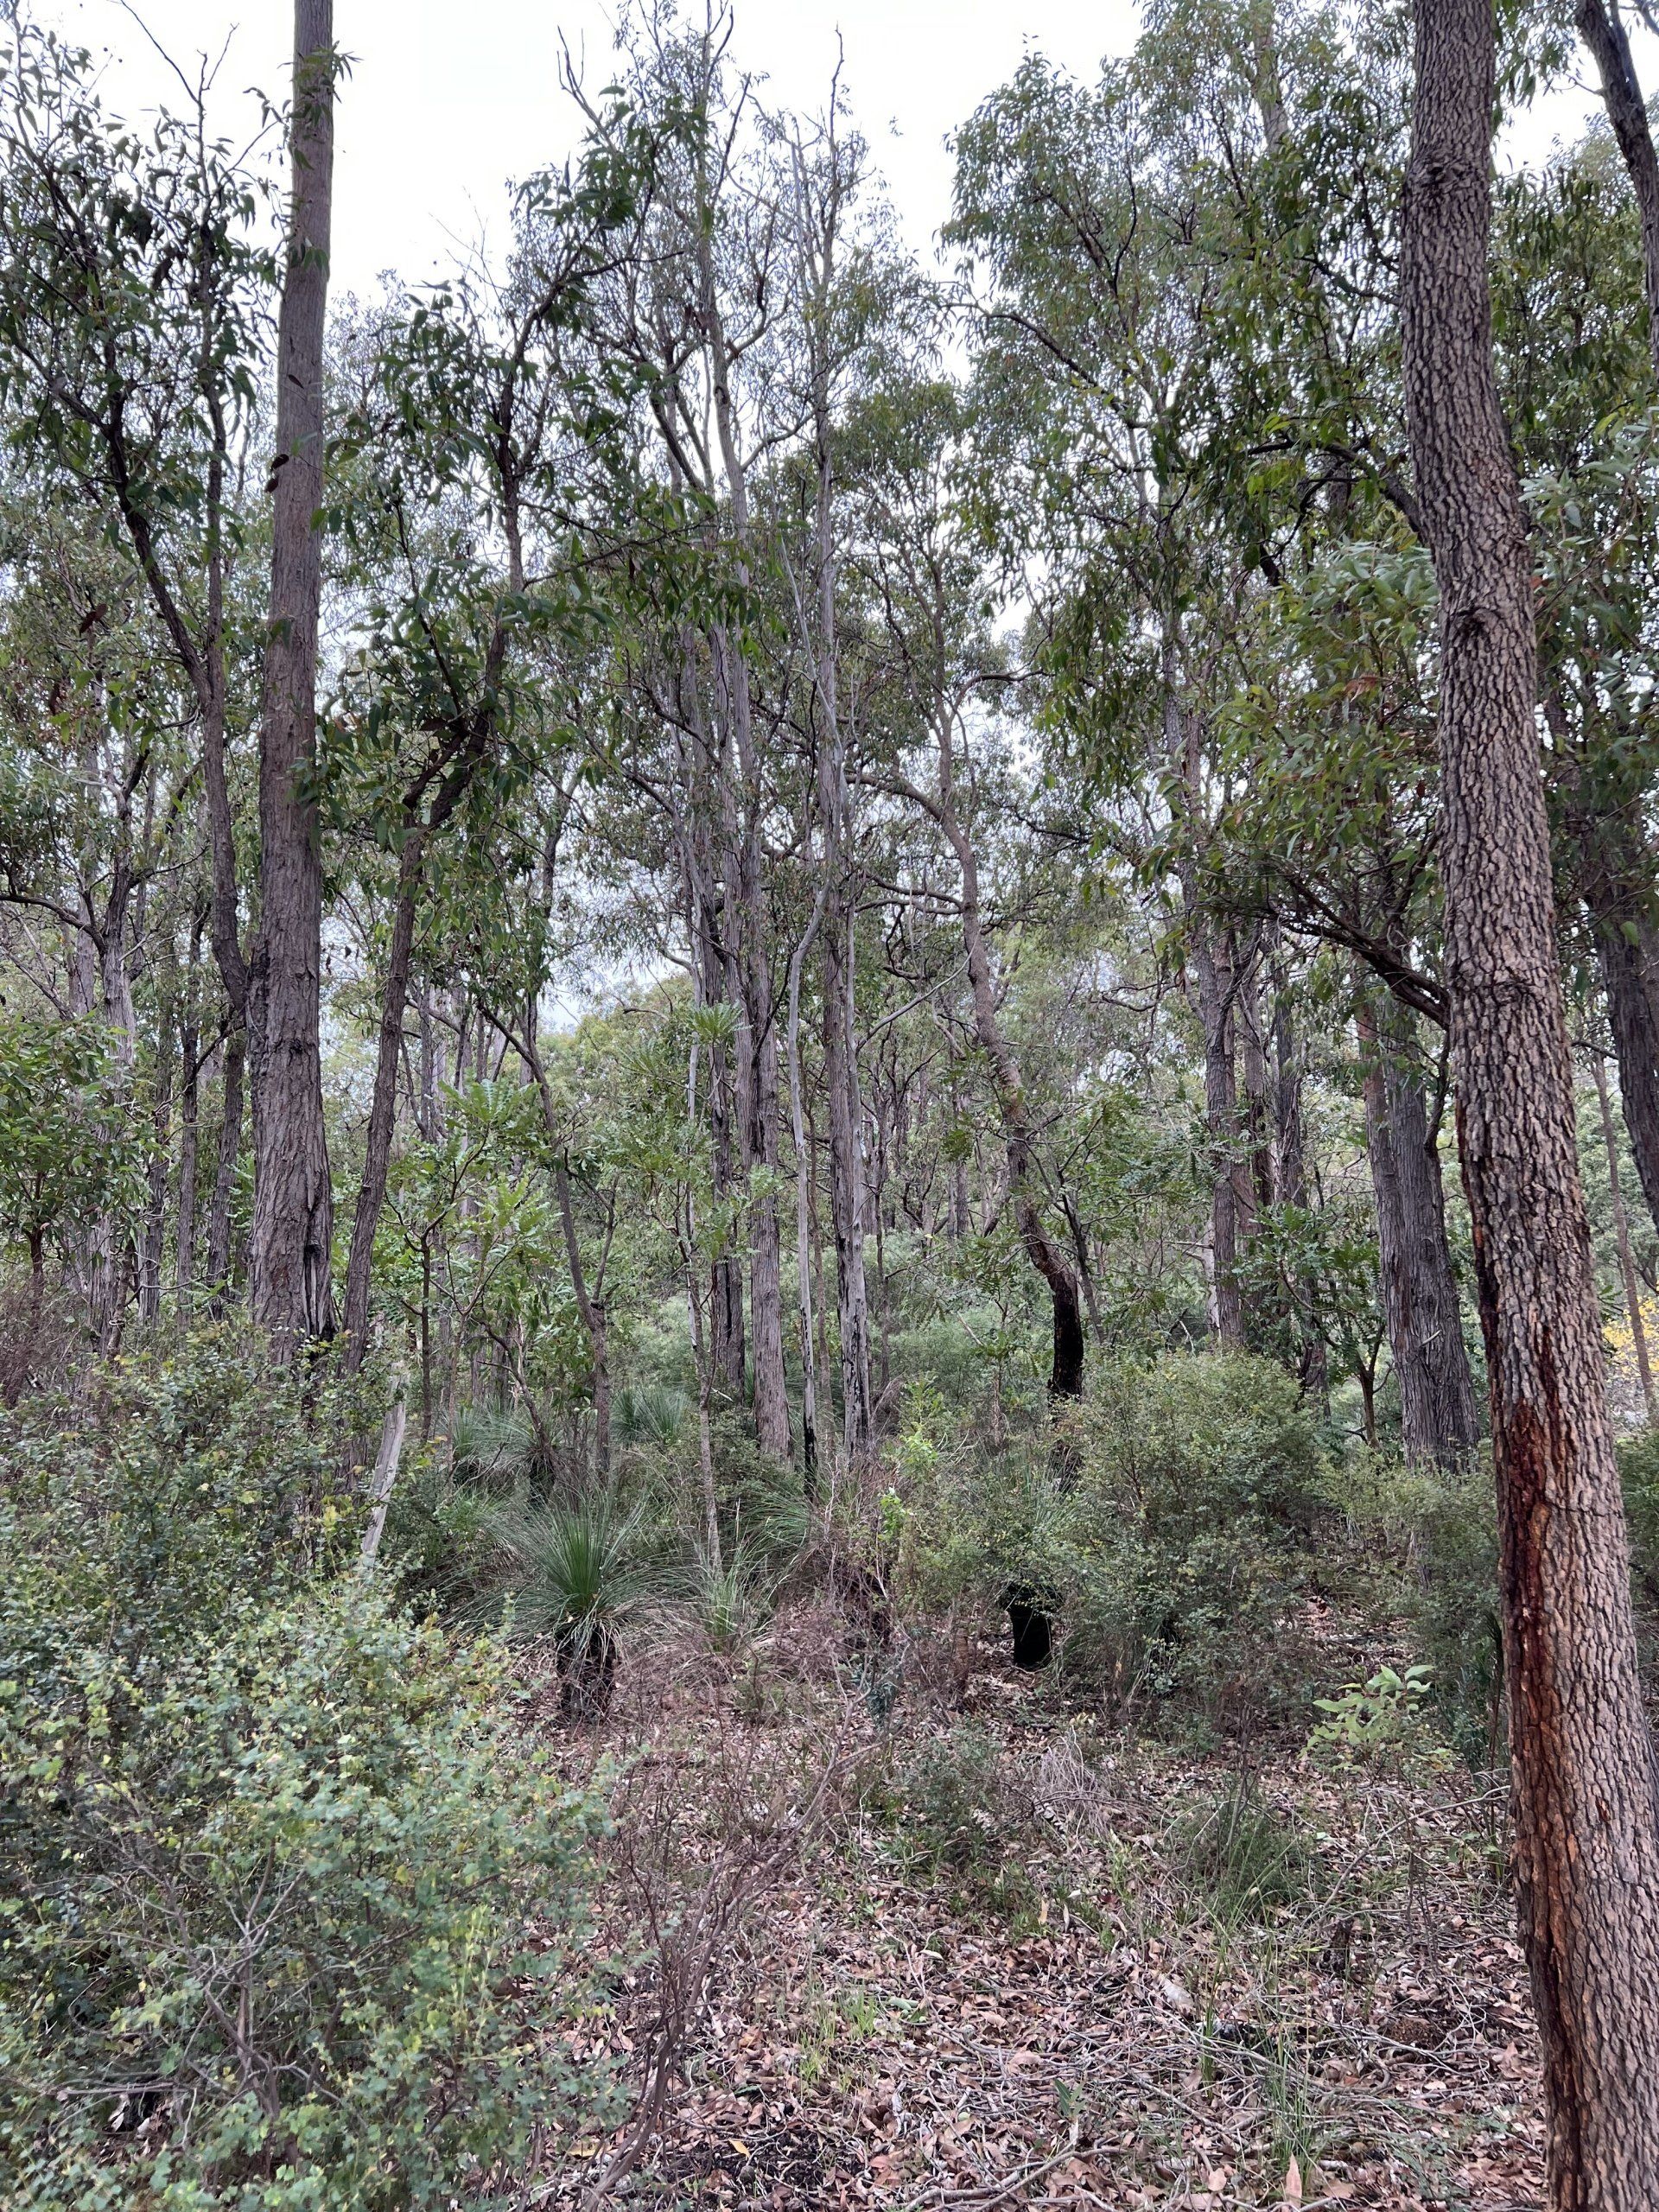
149, 1258
1622, 1237
1627, 947
377, 1148
840, 1041
293, 1201
1221, 1124
591, 1307
1066, 1364
804, 1203
1290, 1187
189, 1107
1602, 31
221, 1258
1586, 1860
1420, 1293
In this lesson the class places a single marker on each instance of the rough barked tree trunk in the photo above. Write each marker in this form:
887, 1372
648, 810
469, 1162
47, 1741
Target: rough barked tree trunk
293, 1200
1627, 948
1221, 1121
221, 1258
154, 1232
590, 1305
1290, 1188
840, 944
804, 1203
1586, 1861
1439, 1420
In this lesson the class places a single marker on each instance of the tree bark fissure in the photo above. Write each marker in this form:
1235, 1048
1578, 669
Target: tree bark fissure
1586, 1855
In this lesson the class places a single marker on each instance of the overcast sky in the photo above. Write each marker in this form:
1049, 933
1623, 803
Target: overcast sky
449, 99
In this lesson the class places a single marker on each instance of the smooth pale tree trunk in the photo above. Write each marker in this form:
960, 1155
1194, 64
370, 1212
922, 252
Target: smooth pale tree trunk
1438, 1421
293, 1201
1586, 1856
1622, 1237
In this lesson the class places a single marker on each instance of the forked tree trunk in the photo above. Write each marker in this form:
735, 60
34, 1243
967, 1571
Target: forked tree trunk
293, 1201
1586, 1862
1438, 1421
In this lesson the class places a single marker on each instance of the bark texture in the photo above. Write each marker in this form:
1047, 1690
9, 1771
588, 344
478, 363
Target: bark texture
1587, 1867
1439, 1421
293, 1200
1627, 946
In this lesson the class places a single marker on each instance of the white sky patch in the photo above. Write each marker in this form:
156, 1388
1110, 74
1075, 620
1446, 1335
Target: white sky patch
445, 107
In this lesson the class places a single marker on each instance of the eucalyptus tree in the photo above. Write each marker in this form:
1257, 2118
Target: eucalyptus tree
924, 575
291, 1250
133, 290
694, 315
1096, 405
489, 510
1586, 1830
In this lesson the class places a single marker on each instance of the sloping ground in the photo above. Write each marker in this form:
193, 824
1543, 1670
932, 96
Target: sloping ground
968, 1952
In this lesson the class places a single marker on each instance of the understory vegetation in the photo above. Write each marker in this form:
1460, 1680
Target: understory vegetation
821, 1296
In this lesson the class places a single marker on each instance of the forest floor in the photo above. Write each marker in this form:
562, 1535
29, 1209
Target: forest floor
938, 1940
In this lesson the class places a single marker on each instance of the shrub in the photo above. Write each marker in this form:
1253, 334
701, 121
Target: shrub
1172, 1532
276, 1906
268, 1860
1452, 1602
951, 1799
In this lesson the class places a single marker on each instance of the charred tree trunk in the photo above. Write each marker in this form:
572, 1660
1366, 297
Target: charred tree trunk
1066, 1366
1586, 1856
293, 1201
1438, 1421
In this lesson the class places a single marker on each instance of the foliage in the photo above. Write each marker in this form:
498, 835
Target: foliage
575, 1571
67, 1150
1380, 1715
270, 1868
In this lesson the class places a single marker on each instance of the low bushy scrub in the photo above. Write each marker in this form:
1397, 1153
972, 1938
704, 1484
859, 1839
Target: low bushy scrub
274, 1885
1171, 1530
